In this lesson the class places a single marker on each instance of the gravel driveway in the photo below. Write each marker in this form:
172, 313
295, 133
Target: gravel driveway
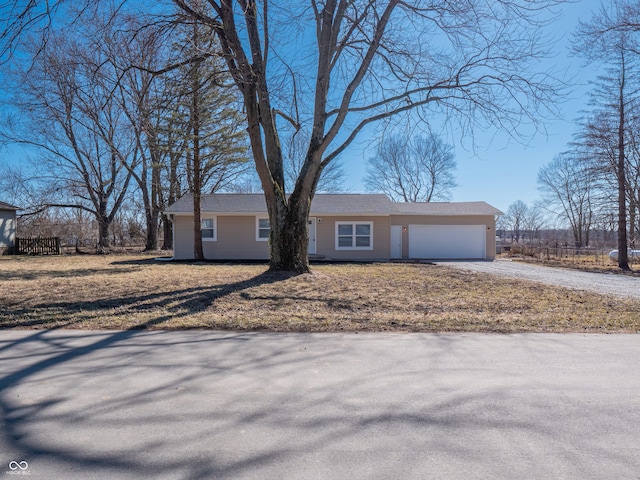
603, 283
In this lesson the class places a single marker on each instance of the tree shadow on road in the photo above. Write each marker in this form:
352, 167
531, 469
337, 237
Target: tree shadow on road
246, 406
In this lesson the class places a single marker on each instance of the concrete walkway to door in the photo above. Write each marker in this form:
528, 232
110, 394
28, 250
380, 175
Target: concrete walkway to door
204, 405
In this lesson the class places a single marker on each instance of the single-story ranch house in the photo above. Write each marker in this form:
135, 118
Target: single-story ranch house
8, 224
354, 227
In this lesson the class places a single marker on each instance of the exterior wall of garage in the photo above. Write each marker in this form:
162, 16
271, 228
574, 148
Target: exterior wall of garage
406, 220
326, 238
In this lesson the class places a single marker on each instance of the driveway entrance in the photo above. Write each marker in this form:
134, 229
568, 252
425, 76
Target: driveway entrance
605, 283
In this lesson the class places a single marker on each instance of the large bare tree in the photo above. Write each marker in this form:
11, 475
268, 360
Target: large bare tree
70, 118
369, 61
339, 66
142, 98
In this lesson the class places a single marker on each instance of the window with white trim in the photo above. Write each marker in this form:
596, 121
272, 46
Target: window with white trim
354, 235
208, 228
263, 229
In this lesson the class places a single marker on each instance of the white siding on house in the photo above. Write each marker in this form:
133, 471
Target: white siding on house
7, 228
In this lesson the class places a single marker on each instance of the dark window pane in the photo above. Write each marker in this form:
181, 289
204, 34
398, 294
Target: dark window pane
363, 229
363, 242
345, 242
345, 230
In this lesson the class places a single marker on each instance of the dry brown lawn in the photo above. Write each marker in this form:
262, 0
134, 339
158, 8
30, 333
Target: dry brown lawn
137, 292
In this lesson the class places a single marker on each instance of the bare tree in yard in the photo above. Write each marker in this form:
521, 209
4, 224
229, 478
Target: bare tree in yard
607, 139
70, 117
144, 101
534, 223
568, 187
412, 170
607, 38
368, 61
186, 120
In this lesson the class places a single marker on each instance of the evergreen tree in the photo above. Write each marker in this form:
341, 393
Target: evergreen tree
207, 117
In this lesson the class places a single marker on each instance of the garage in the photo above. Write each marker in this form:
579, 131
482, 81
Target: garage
447, 241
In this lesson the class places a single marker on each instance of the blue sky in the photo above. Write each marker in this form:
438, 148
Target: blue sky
502, 171
505, 171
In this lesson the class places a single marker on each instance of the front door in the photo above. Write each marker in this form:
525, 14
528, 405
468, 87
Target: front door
312, 235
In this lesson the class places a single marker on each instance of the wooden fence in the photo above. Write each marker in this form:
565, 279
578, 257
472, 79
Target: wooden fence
38, 246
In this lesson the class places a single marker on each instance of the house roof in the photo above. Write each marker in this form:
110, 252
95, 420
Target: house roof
326, 204
350, 203
447, 208
7, 206
255, 203
221, 203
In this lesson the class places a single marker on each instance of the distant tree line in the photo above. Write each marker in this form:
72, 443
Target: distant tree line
536, 224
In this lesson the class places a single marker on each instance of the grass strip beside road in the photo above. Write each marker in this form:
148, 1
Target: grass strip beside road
137, 292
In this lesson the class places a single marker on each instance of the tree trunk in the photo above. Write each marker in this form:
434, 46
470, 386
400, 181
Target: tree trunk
198, 252
174, 194
623, 259
167, 231
151, 241
290, 242
103, 225
632, 224
154, 207
290, 239
577, 236
103, 234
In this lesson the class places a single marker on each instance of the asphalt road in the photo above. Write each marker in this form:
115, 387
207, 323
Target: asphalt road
203, 405
603, 283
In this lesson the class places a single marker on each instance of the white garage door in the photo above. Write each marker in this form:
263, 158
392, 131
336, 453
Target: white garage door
447, 241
